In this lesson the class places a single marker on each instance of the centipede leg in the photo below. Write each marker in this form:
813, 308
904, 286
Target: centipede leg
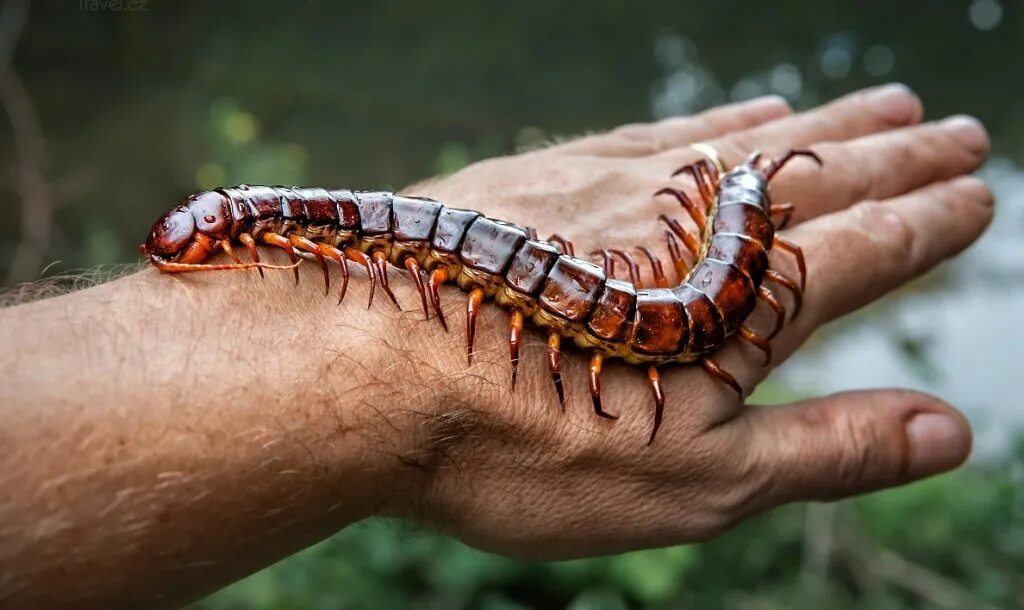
698, 216
563, 244
607, 263
692, 243
786, 209
659, 400
476, 297
719, 373
413, 267
759, 342
339, 257
380, 261
250, 245
358, 256
307, 245
766, 295
437, 277
656, 269
515, 334
280, 241
707, 194
555, 365
798, 254
596, 364
789, 284
634, 268
225, 245
681, 267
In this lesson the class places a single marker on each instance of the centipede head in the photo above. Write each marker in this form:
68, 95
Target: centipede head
185, 232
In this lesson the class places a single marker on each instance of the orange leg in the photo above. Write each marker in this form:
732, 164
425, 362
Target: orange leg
659, 400
789, 284
798, 254
563, 244
225, 245
380, 261
282, 242
337, 256
596, 363
681, 267
692, 243
766, 295
707, 193
476, 297
437, 277
760, 343
555, 365
698, 216
307, 245
413, 267
656, 269
515, 334
786, 209
358, 256
250, 245
718, 373
634, 269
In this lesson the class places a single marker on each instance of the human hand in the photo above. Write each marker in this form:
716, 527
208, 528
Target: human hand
514, 474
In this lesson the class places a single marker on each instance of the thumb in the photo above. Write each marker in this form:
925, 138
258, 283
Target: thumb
844, 444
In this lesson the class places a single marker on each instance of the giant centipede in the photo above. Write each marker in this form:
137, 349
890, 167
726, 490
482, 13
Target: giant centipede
541, 281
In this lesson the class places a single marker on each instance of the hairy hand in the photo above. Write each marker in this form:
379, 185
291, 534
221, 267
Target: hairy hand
512, 473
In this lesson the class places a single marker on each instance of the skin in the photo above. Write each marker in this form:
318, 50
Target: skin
162, 436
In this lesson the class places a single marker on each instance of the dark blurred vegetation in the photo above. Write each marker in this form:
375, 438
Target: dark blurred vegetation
113, 114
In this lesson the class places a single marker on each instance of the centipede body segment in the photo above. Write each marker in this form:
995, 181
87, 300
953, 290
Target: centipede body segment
541, 282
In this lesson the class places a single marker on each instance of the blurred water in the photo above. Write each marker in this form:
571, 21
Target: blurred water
961, 338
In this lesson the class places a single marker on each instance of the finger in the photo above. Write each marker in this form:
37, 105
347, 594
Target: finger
859, 254
858, 114
641, 139
881, 166
845, 444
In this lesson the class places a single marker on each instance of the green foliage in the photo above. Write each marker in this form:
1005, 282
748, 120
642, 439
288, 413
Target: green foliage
965, 529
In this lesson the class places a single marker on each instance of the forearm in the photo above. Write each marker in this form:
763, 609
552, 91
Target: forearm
165, 436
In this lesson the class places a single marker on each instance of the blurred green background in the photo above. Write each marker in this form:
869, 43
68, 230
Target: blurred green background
115, 110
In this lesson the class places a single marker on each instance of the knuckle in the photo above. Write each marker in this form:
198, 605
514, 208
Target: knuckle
890, 230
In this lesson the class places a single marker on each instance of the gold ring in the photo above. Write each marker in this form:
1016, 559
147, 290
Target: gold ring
712, 155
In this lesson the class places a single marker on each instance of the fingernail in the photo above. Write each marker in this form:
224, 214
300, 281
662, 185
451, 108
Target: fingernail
938, 443
896, 103
969, 131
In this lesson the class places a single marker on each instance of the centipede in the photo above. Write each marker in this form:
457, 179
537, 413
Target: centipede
541, 282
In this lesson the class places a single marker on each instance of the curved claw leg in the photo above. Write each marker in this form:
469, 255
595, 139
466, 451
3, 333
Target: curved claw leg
678, 262
515, 334
659, 400
656, 269
308, 246
337, 256
607, 263
719, 373
357, 256
784, 281
380, 260
555, 366
798, 253
280, 241
413, 267
437, 277
563, 244
692, 243
596, 363
634, 268
476, 297
766, 295
254, 254
698, 216
786, 209
759, 342
225, 244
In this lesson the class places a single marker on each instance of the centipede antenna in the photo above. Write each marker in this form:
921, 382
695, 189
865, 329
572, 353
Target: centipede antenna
774, 167
380, 260
357, 256
719, 373
555, 366
659, 400
437, 277
515, 333
748, 335
798, 253
413, 267
172, 267
250, 245
476, 297
631, 264
698, 216
765, 294
596, 364
656, 269
789, 284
